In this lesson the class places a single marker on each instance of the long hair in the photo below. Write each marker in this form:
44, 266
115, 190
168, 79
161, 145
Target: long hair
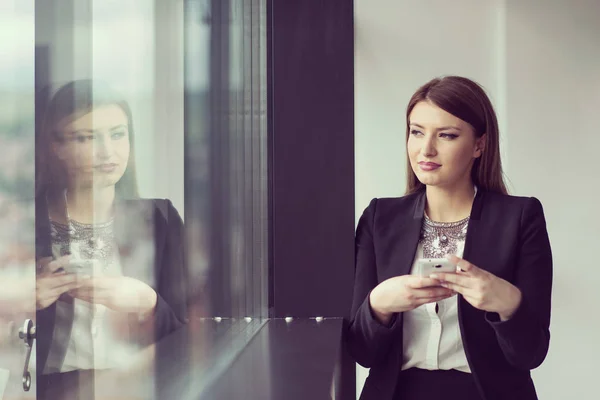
71, 101
467, 100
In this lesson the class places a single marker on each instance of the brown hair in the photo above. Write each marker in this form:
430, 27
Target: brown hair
467, 100
70, 102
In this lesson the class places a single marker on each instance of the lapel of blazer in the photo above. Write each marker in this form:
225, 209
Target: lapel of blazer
476, 239
475, 251
401, 236
136, 222
129, 216
46, 318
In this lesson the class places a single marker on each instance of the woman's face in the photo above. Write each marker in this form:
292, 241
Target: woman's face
95, 147
441, 147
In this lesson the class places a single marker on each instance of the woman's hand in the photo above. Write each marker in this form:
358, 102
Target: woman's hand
481, 289
50, 284
119, 293
405, 293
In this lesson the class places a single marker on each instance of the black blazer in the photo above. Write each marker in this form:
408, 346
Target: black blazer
159, 221
506, 236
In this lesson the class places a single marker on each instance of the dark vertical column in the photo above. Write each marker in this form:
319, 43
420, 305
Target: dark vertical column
63, 52
311, 133
219, 144
312, 137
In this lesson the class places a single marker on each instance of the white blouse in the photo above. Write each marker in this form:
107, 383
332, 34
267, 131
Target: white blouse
92, 341
433, 340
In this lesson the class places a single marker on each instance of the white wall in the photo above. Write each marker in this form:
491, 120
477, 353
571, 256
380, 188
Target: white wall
540, 63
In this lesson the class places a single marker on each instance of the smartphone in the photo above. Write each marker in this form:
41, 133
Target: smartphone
428, 266
80, 267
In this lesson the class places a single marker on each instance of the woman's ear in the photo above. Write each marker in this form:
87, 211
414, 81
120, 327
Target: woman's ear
480, 145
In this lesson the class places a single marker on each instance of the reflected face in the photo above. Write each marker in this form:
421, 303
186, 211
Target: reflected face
441, 147
94, 148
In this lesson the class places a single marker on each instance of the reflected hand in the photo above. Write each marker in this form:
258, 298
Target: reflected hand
483, 290
50, 285
405, 293
119, 293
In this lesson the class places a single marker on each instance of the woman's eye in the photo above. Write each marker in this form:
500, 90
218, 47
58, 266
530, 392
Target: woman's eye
414, 132
448, 135
118, 135
83, 139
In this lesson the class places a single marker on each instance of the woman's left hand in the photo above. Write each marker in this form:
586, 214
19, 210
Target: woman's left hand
481, 289
119, 293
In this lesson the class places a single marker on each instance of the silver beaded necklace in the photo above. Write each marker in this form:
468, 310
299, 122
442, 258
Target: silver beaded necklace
92, 241
441, 238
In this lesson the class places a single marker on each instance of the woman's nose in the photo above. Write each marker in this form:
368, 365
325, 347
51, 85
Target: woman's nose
103, 147
428, 148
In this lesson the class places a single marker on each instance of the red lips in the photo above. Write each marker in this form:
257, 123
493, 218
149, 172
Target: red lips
106, 167
428, 166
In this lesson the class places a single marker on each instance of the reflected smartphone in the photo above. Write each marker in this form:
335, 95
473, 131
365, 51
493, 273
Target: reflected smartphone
428, 266
80, 267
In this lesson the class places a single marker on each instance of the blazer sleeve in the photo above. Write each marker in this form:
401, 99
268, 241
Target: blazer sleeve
171, 304
368, 340
525, 338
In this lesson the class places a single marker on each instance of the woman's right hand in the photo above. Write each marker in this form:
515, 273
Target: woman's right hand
50, 284
405, 293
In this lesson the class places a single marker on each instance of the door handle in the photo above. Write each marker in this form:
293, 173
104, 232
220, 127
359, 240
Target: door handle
27, 334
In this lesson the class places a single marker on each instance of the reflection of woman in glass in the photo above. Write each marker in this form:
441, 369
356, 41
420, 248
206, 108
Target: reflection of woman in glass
110, 266
475, 331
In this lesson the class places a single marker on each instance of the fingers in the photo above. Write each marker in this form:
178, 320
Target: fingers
465, 291
431, 293
455, 259
417, 282
89, 295
60, 262
453, 286
90, 289
101, 282
49, 296
460, 280
420, 302
57, 291
84, 295
464, 265
49, 289
41, 265
84, 290
56, 280
43, 262
94, 284
48, 265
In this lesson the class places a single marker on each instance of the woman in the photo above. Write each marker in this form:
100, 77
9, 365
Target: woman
110, 270
471, 334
